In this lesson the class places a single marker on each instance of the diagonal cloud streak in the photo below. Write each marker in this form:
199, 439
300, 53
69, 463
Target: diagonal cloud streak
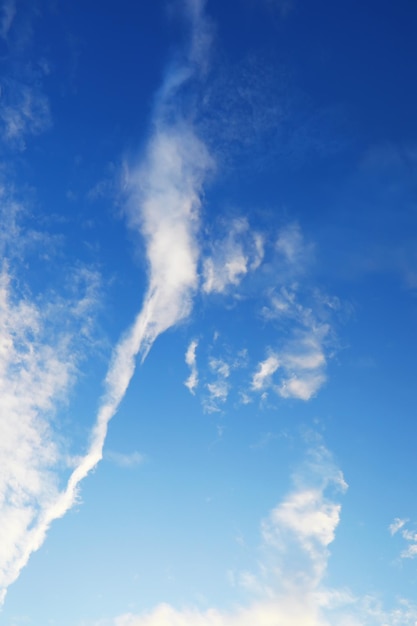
163, 200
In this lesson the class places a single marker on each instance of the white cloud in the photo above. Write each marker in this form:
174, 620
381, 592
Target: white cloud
232, 258
396, 525
289, 587
410, 536
39, 350
266, 369
190, 359
300, 365
220, 387
303, 524
162, 204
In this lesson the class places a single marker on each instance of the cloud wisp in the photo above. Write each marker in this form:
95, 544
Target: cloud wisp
240, 252
163, 199
295, 369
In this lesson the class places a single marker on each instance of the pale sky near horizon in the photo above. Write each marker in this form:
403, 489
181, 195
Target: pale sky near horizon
208, 345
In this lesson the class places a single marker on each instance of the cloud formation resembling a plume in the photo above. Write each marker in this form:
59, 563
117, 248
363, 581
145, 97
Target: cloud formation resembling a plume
163, 200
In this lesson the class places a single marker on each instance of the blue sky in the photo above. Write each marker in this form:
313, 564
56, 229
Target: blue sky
208, 313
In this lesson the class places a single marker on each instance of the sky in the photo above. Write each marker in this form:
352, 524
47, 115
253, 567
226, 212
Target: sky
208, 340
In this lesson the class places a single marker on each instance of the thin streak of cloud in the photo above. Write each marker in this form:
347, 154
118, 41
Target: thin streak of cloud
162, 203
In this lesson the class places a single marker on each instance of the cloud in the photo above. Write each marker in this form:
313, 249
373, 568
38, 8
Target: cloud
232, 258
288, 586
410, 536
125, 460
24, 107
162, 198
219, 388
396, 525
24, 111
190, 359
301, 360
295, 547
295, 364
201, 33
40, 346
266, 369
293, 250
8, 15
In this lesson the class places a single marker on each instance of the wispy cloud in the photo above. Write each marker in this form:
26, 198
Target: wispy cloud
410, 536
218, 389
294, 365
396, 525
295, 548
8, 12
127, 460
288, 585
232, 258
163, 201
24, 106
191, 360
295, 252
297, 368
39, 353
262, 377
24, 111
